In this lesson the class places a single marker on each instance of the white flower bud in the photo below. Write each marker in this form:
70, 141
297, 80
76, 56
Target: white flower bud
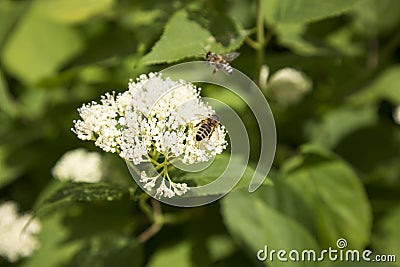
17, 232
78, 165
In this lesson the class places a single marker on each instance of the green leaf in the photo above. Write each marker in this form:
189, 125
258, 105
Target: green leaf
386, 238
53, 250
108, 250
339, 123
376, 17
34, 102
386, 86
318, 150
342, 41
39, 47
220, 247
301, 11
177, 255
216, 170
68, 193
184, 38
257, 224
8, 173
209, 174
141, 17
291, 35
94, 234
337, 198
7, 103
381, 139
228, 97
10, 11
73, 11
289, 21
317, 193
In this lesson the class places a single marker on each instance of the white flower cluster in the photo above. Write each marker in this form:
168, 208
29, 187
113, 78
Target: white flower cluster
79, 165
153, 115
17, 238
163, 189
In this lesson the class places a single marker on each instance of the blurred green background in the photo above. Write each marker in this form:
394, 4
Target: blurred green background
337, 168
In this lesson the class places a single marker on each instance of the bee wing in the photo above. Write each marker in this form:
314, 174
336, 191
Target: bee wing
230, 56
200, 117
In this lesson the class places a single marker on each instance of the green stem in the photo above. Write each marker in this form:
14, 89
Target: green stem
158, 222
144, 207
155, 214
154, 153
167, 175
253, 44
268, 38
153, 161
260, 36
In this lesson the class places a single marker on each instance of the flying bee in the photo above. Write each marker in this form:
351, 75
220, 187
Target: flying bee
221, 62
206, 127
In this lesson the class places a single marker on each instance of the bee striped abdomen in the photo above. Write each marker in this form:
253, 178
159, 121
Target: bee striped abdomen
206, 127
204, 132
227, 68
221, 62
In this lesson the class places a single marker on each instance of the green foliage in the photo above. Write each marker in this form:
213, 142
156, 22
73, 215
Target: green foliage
65, 194
85, 235
376, 17
302, 11
183, 38
386, 237
73, 11
8, 173
337, 166
220, 164
333, 193
54, 250
350, 119
171, 47
50, 45
176, 254
315, 195
289, 19
385, 87
261, 222
108, 250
